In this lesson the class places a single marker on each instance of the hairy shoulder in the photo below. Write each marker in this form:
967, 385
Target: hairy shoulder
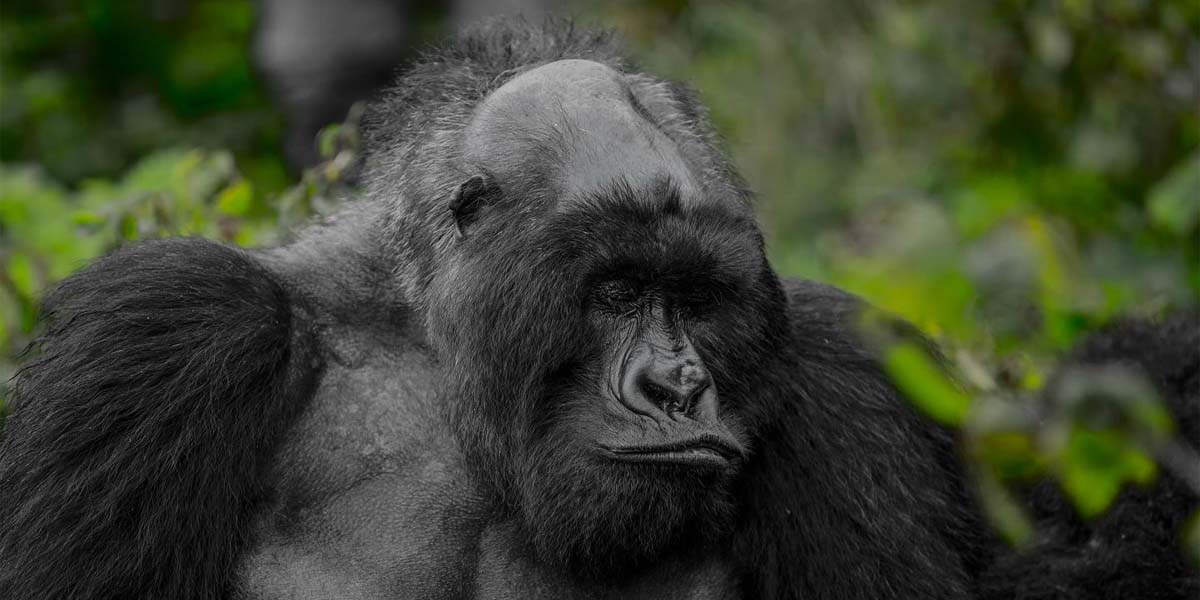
813, 303
828, 324
849, 471
824, 322
166, 374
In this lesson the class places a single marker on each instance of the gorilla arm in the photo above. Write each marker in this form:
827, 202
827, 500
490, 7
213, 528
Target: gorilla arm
135, 451
851, 493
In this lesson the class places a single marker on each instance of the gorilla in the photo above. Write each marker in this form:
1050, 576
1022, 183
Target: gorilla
543, 357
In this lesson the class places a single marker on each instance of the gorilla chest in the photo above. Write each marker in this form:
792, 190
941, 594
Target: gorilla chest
505, 571
372, 502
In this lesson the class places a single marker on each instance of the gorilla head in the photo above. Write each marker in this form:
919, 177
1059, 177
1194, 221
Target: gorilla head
602, 311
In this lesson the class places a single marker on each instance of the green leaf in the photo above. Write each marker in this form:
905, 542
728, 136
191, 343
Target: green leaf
983, 204
20, 271
85, 218
1011, 455
1091, 491
1174, 203
128, 226
915, 373
1094, 466
327, 140
236, 200
1004, 512
163, 170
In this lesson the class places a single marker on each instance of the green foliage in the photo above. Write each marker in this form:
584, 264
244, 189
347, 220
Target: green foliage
1094, 465
1096, 430
1175, 201
1104, 427
49, 230
916, 374
91, 86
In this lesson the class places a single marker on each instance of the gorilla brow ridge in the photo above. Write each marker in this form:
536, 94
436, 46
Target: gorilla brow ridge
620, 195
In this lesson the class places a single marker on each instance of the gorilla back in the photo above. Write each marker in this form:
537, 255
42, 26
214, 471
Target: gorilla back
545, 357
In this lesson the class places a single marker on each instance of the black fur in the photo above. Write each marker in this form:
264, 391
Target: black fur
133, 457
854, 494
1134, 549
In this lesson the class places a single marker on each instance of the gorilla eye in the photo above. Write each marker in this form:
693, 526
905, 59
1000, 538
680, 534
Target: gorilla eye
617, 295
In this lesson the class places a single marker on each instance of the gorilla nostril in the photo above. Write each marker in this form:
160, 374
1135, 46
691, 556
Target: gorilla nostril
659, 395
661, 384
674, 394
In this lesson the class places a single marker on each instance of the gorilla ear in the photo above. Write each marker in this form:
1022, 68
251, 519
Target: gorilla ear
472, 195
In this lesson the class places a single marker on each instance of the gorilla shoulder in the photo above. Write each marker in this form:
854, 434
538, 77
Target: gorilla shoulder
136, 451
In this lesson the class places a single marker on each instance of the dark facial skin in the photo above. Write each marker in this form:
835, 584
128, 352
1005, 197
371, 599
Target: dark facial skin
665, 392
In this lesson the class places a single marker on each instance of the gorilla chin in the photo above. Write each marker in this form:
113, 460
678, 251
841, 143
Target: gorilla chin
606, 514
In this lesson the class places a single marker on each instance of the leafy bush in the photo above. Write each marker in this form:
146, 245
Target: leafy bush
49, 230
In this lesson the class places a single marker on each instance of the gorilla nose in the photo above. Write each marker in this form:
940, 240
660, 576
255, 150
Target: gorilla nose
670, 384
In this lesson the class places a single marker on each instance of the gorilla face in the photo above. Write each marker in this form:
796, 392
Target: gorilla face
602, 358
603, 322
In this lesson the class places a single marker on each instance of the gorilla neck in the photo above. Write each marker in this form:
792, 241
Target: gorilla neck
344, 270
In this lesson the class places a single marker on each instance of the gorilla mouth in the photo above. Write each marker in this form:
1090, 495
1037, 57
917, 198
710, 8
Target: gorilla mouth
707, 452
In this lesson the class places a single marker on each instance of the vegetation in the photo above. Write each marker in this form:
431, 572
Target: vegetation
1007, 175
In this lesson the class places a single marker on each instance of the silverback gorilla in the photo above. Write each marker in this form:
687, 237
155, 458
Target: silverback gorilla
544, 357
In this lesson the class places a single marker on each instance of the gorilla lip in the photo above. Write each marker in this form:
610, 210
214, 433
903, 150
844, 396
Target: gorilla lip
705, 452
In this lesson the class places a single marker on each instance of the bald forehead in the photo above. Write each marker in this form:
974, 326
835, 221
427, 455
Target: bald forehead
571, 85
575, 122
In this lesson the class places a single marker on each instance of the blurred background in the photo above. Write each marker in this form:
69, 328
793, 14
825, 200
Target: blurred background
1008, 175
